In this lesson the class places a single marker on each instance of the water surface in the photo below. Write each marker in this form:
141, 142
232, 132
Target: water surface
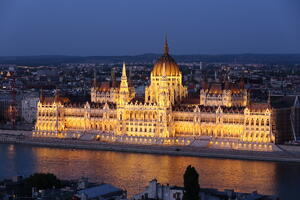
133, 171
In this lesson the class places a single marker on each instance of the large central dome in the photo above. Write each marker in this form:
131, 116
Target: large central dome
172, 69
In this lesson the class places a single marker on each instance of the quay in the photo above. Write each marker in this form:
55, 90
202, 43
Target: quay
282, 154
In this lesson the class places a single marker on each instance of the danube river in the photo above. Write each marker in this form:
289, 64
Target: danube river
133, 171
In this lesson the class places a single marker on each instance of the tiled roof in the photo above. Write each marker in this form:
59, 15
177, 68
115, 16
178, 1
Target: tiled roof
99, 191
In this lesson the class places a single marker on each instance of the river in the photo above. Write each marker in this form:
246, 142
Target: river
133, 171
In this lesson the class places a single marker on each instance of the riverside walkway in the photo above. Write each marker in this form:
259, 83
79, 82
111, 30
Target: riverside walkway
280, 156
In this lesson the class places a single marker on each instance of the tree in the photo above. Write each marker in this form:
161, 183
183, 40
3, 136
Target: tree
191, 184
41, 181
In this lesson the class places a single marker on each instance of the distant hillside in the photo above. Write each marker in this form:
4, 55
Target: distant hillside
146, 58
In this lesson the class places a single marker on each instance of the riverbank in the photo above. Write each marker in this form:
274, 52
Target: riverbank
279, 156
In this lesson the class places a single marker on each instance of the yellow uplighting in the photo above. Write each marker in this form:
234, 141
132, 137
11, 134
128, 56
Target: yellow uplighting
222, 113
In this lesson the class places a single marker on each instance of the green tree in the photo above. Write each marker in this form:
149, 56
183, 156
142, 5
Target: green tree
191, 184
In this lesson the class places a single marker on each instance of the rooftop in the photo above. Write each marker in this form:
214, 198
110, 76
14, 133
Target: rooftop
100, 190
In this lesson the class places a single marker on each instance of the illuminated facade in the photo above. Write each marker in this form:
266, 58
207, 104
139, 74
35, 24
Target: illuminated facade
223, 112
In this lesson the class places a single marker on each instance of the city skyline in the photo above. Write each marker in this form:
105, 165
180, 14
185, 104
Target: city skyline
132, 28
138, 100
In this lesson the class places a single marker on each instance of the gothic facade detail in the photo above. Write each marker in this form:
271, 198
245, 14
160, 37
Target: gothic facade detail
224, 111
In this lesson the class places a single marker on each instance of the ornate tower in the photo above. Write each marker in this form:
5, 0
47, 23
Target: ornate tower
165, 104
166, 68
164, 94
124, 90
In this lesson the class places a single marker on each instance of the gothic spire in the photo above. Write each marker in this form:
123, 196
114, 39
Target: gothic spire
124, 90
166, 46
124, 83
124, 70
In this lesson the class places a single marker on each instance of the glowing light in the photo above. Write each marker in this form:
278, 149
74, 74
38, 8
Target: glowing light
119, 115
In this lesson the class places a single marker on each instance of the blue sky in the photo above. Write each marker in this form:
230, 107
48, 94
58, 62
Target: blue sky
130, 27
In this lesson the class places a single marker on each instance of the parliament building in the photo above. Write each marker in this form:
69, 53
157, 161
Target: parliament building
222, 116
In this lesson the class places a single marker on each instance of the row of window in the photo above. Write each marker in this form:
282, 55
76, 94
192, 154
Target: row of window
139, 124
258, 122
150, 130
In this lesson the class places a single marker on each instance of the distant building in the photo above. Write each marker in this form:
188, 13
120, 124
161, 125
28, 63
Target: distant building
223, 113
109, 91
157, 191
286, 118
29, 107
5, 101
224, 94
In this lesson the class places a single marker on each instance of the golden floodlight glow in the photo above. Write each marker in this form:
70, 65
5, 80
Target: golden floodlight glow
223, 112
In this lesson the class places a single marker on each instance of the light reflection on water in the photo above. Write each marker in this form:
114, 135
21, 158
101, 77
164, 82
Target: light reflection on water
133, 171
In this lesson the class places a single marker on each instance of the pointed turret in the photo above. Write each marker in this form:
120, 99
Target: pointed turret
124, 83
124, 90
124, 70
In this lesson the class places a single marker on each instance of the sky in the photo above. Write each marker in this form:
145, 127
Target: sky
132, 27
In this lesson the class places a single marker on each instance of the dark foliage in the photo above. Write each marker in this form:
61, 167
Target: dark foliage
41, 181
191, 184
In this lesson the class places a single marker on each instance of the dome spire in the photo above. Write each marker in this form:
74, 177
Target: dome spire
166, 46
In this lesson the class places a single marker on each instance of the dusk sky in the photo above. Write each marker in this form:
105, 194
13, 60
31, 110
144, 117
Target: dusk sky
130, 27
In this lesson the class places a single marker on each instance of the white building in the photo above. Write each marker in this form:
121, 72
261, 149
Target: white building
101, 192
29, 107
156, 190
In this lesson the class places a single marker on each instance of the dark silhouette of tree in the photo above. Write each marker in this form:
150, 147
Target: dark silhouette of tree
41, 181
191, 184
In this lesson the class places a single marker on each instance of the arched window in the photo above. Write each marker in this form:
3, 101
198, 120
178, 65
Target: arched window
247, 122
